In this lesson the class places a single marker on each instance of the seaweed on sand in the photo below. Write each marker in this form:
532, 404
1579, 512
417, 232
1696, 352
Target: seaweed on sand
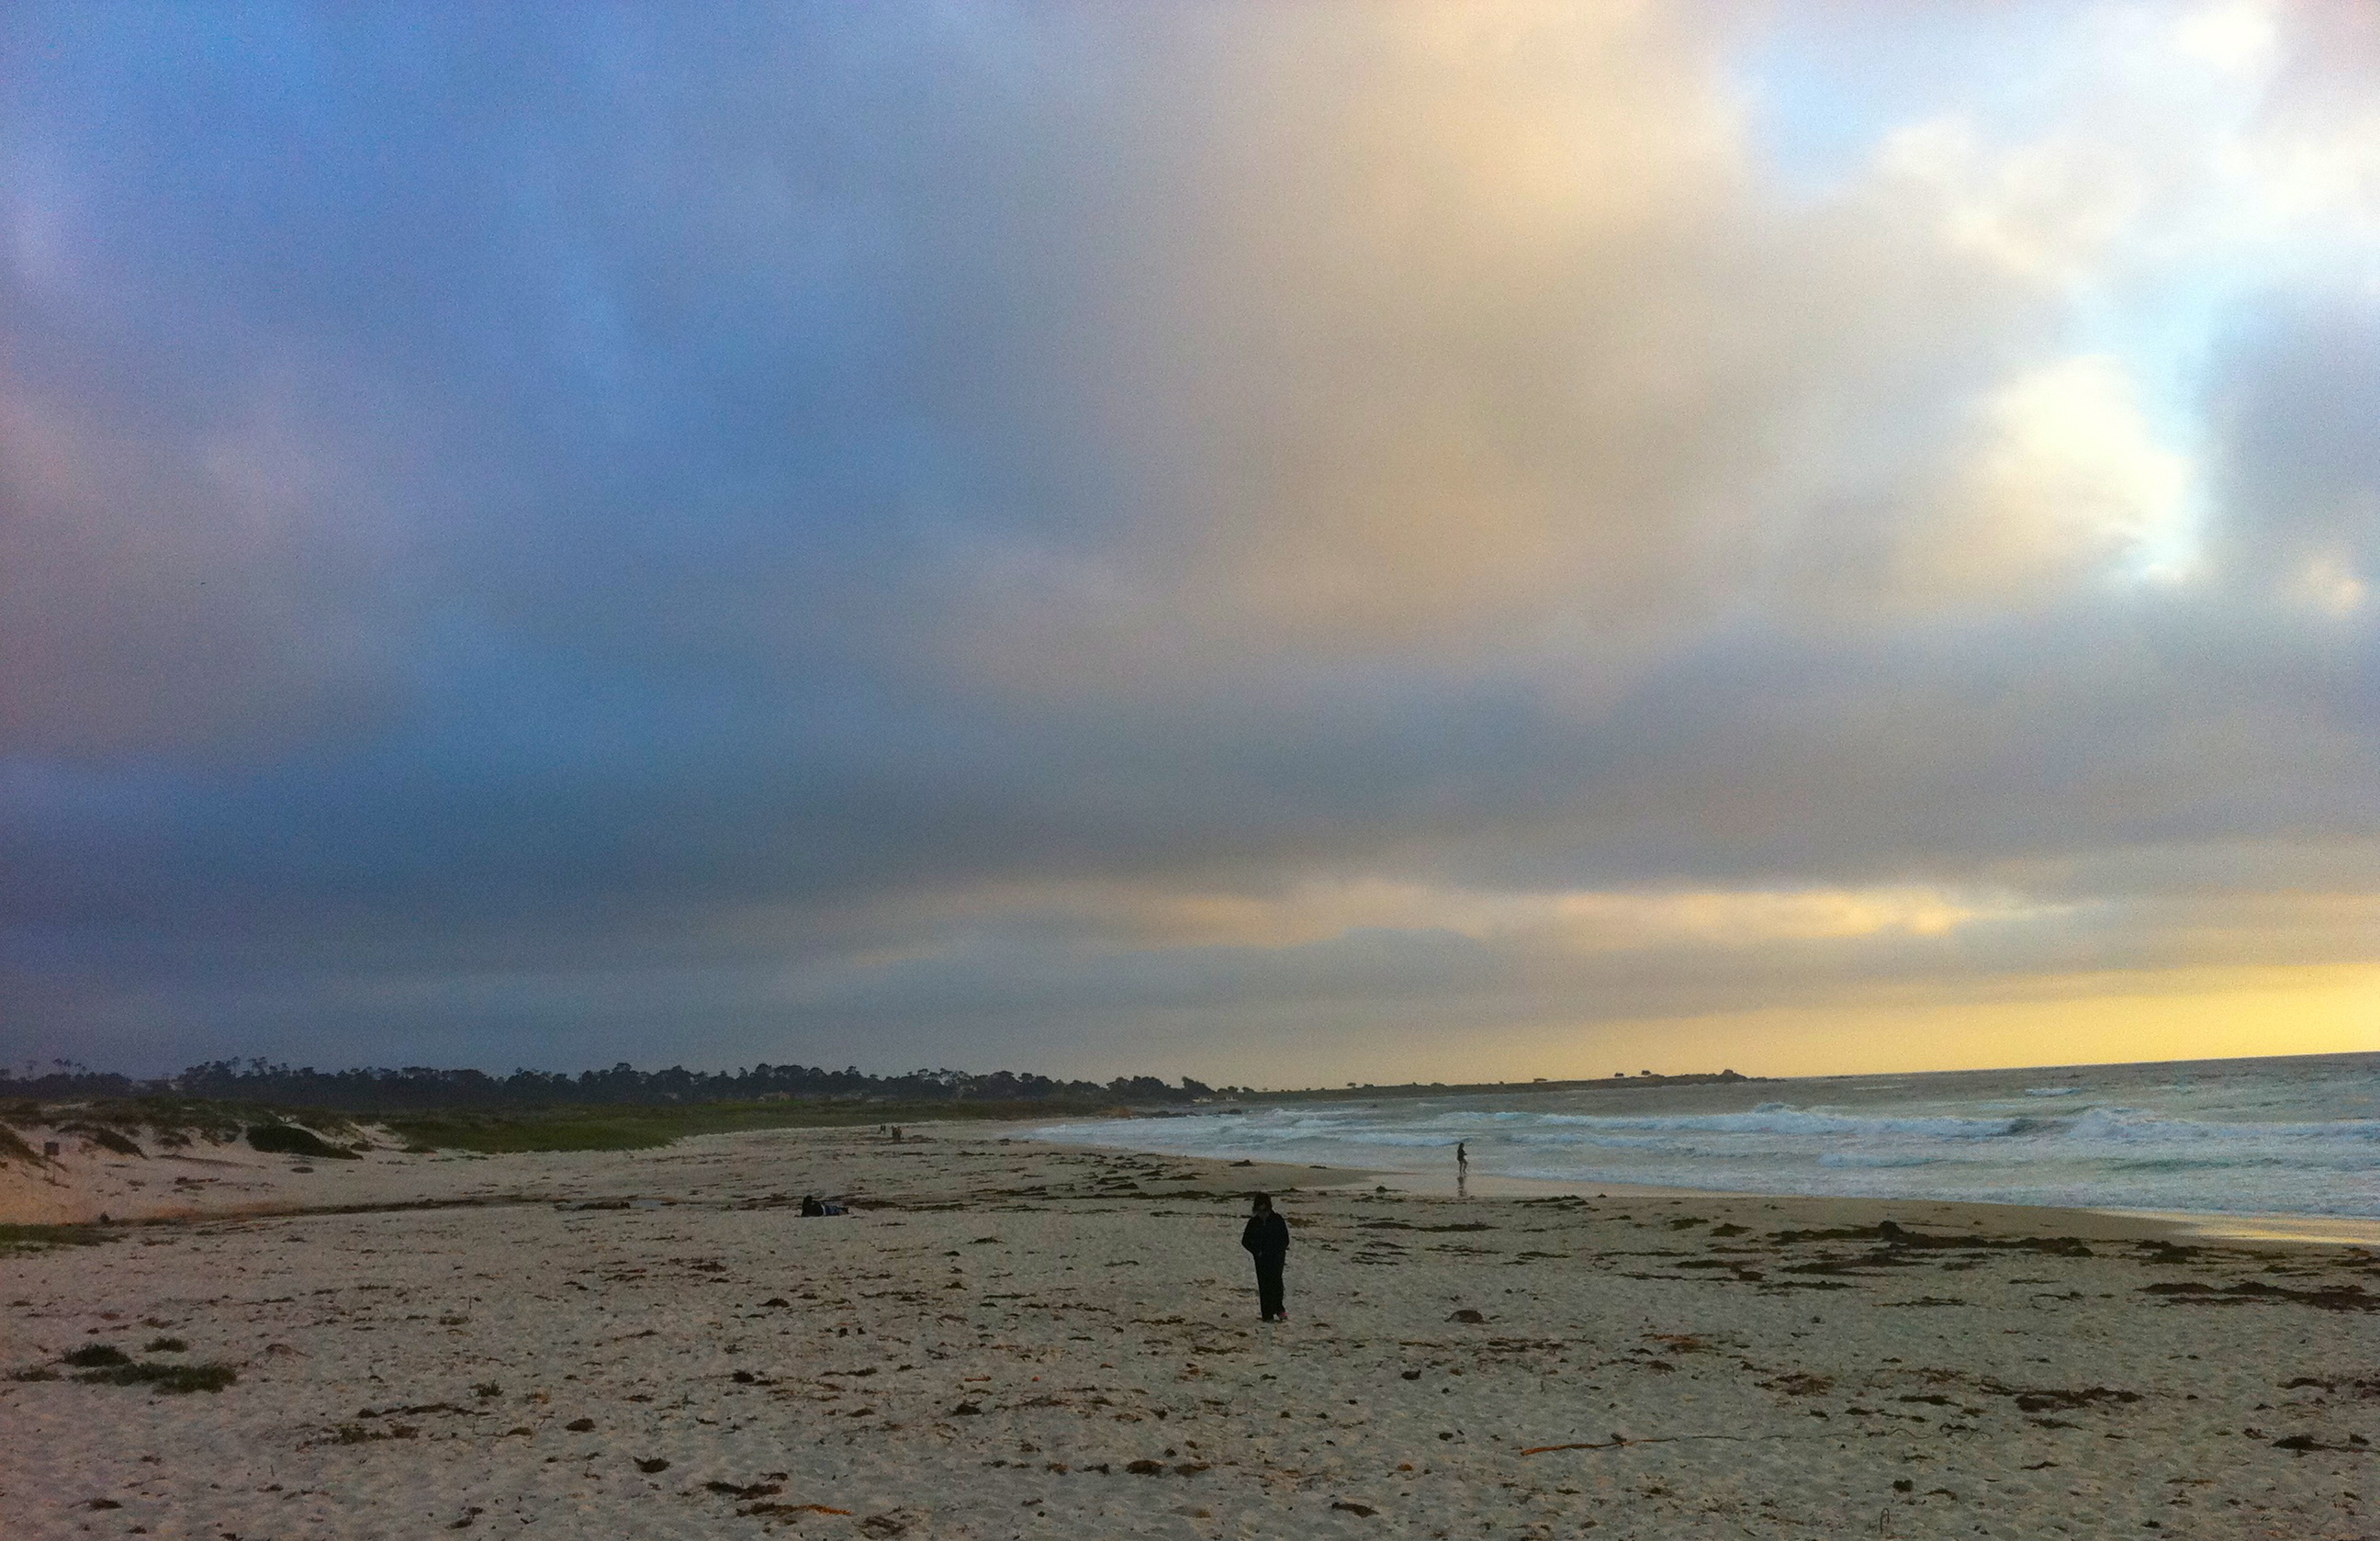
170, 1379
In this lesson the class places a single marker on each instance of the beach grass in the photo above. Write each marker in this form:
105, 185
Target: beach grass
172, 1122
13, 1148
18, 1240
636, 1128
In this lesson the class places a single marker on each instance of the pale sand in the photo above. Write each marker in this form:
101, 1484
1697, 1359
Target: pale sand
985, 1347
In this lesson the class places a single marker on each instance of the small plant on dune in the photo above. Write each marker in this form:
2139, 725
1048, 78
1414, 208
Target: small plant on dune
38, 1372
93, 1357
164, 1345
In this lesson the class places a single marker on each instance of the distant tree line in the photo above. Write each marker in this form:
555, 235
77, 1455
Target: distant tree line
420, 1088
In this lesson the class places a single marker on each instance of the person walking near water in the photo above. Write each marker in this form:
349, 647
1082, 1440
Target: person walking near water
1267, 1238
1462, 1171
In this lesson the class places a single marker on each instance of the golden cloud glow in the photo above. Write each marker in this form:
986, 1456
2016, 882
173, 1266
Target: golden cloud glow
2048, 1020
1573, 921
2065, 1019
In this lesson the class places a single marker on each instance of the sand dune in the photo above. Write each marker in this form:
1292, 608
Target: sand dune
1007, 1340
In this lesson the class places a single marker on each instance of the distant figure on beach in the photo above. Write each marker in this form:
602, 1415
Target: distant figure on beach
810, 1206
1267, 1238
1462, 1171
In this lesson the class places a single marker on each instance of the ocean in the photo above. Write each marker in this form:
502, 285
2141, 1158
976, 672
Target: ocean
2296, 1137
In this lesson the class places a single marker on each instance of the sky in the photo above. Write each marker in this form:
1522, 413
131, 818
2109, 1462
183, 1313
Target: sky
1283, 544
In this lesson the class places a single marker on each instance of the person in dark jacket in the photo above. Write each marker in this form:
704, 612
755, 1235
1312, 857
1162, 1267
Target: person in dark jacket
1267, 1238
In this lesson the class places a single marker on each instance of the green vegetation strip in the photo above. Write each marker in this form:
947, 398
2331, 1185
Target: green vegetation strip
175, 1122
641, 1128
15, 1240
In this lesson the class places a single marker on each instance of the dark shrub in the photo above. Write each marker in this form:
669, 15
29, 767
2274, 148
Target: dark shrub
287, 1139
93, 1356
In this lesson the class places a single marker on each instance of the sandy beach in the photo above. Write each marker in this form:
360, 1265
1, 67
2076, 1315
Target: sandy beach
1008, 1339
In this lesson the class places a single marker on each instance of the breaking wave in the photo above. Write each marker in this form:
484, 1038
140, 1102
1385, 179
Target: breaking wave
2155, 1143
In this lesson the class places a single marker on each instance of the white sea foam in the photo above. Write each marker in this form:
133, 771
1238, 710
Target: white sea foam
2269, 1137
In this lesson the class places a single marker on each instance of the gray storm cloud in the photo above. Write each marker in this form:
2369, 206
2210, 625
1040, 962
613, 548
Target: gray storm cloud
1060, 535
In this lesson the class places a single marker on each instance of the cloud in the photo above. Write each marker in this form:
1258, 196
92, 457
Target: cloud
2304, 473
976, 532
2067, 476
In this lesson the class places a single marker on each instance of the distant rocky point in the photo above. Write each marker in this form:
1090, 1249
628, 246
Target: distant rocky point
1488, 1088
